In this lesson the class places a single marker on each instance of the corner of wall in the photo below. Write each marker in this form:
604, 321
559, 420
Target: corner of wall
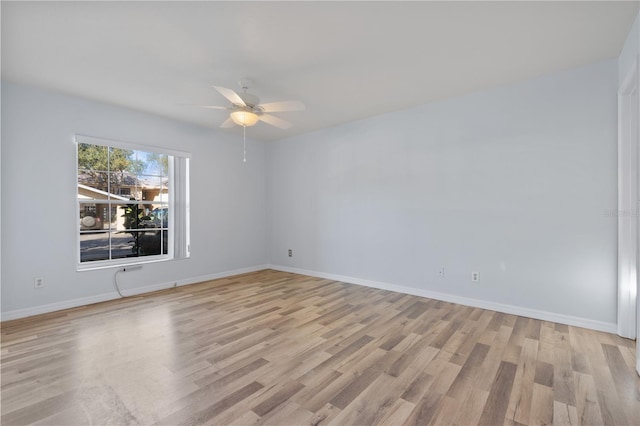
630, 51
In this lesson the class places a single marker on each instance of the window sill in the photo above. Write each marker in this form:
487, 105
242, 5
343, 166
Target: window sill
93, 266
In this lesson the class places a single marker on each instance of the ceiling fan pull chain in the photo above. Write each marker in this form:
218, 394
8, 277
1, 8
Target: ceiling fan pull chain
244, 140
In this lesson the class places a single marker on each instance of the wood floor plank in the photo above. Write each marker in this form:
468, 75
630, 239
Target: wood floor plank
624, 383
370, 406
587, 400
544, 374
275, 348
332, 384
425, 409
469, 370
497, 402
291, 411
281, 396
418, 387
521, 399
470, 340
564, 415
323, 416
541, 412
494, 358
398, 413
445, 411
471, 407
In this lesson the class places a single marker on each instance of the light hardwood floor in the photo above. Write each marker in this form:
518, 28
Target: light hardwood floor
284, 349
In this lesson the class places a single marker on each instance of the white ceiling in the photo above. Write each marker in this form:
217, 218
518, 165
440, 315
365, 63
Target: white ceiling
344, 60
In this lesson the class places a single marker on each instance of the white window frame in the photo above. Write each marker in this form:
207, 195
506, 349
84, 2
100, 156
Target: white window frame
178, 206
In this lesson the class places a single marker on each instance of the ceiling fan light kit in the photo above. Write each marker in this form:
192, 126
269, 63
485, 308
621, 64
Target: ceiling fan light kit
244, 118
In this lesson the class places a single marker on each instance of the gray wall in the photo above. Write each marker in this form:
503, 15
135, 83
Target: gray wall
39, 213
512, 182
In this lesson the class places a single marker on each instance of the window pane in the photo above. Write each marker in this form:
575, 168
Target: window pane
93, 185
94, 246
150, 242
130, 216
111, 220
136, 244
159, 216
123, 160
149, 187
123, 185
124, 244
138, 231
93, 157
94, 216
155, 164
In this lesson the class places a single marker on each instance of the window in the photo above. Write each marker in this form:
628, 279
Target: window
132, 203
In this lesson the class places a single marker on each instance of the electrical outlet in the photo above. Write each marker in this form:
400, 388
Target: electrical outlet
290, 253
38, 282
475, 276
441, 272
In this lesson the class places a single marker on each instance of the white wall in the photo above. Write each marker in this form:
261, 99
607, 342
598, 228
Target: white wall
512, 182
39, 213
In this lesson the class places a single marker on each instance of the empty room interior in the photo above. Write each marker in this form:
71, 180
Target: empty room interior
314, 213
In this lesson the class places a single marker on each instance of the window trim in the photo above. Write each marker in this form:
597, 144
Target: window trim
172, 228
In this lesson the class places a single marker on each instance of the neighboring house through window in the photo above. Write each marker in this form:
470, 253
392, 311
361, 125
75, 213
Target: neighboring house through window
132, 203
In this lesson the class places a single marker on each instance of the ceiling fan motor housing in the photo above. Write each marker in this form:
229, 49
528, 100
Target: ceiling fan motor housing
249, 99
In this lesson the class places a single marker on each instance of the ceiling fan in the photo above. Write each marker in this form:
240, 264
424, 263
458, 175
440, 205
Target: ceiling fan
246, 109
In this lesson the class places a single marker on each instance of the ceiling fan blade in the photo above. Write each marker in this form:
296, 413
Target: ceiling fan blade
283, 106
275, 121
227, 123
233, 97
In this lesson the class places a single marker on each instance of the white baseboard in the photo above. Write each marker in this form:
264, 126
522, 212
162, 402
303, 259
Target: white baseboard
83, 301
58, 306
476, 303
